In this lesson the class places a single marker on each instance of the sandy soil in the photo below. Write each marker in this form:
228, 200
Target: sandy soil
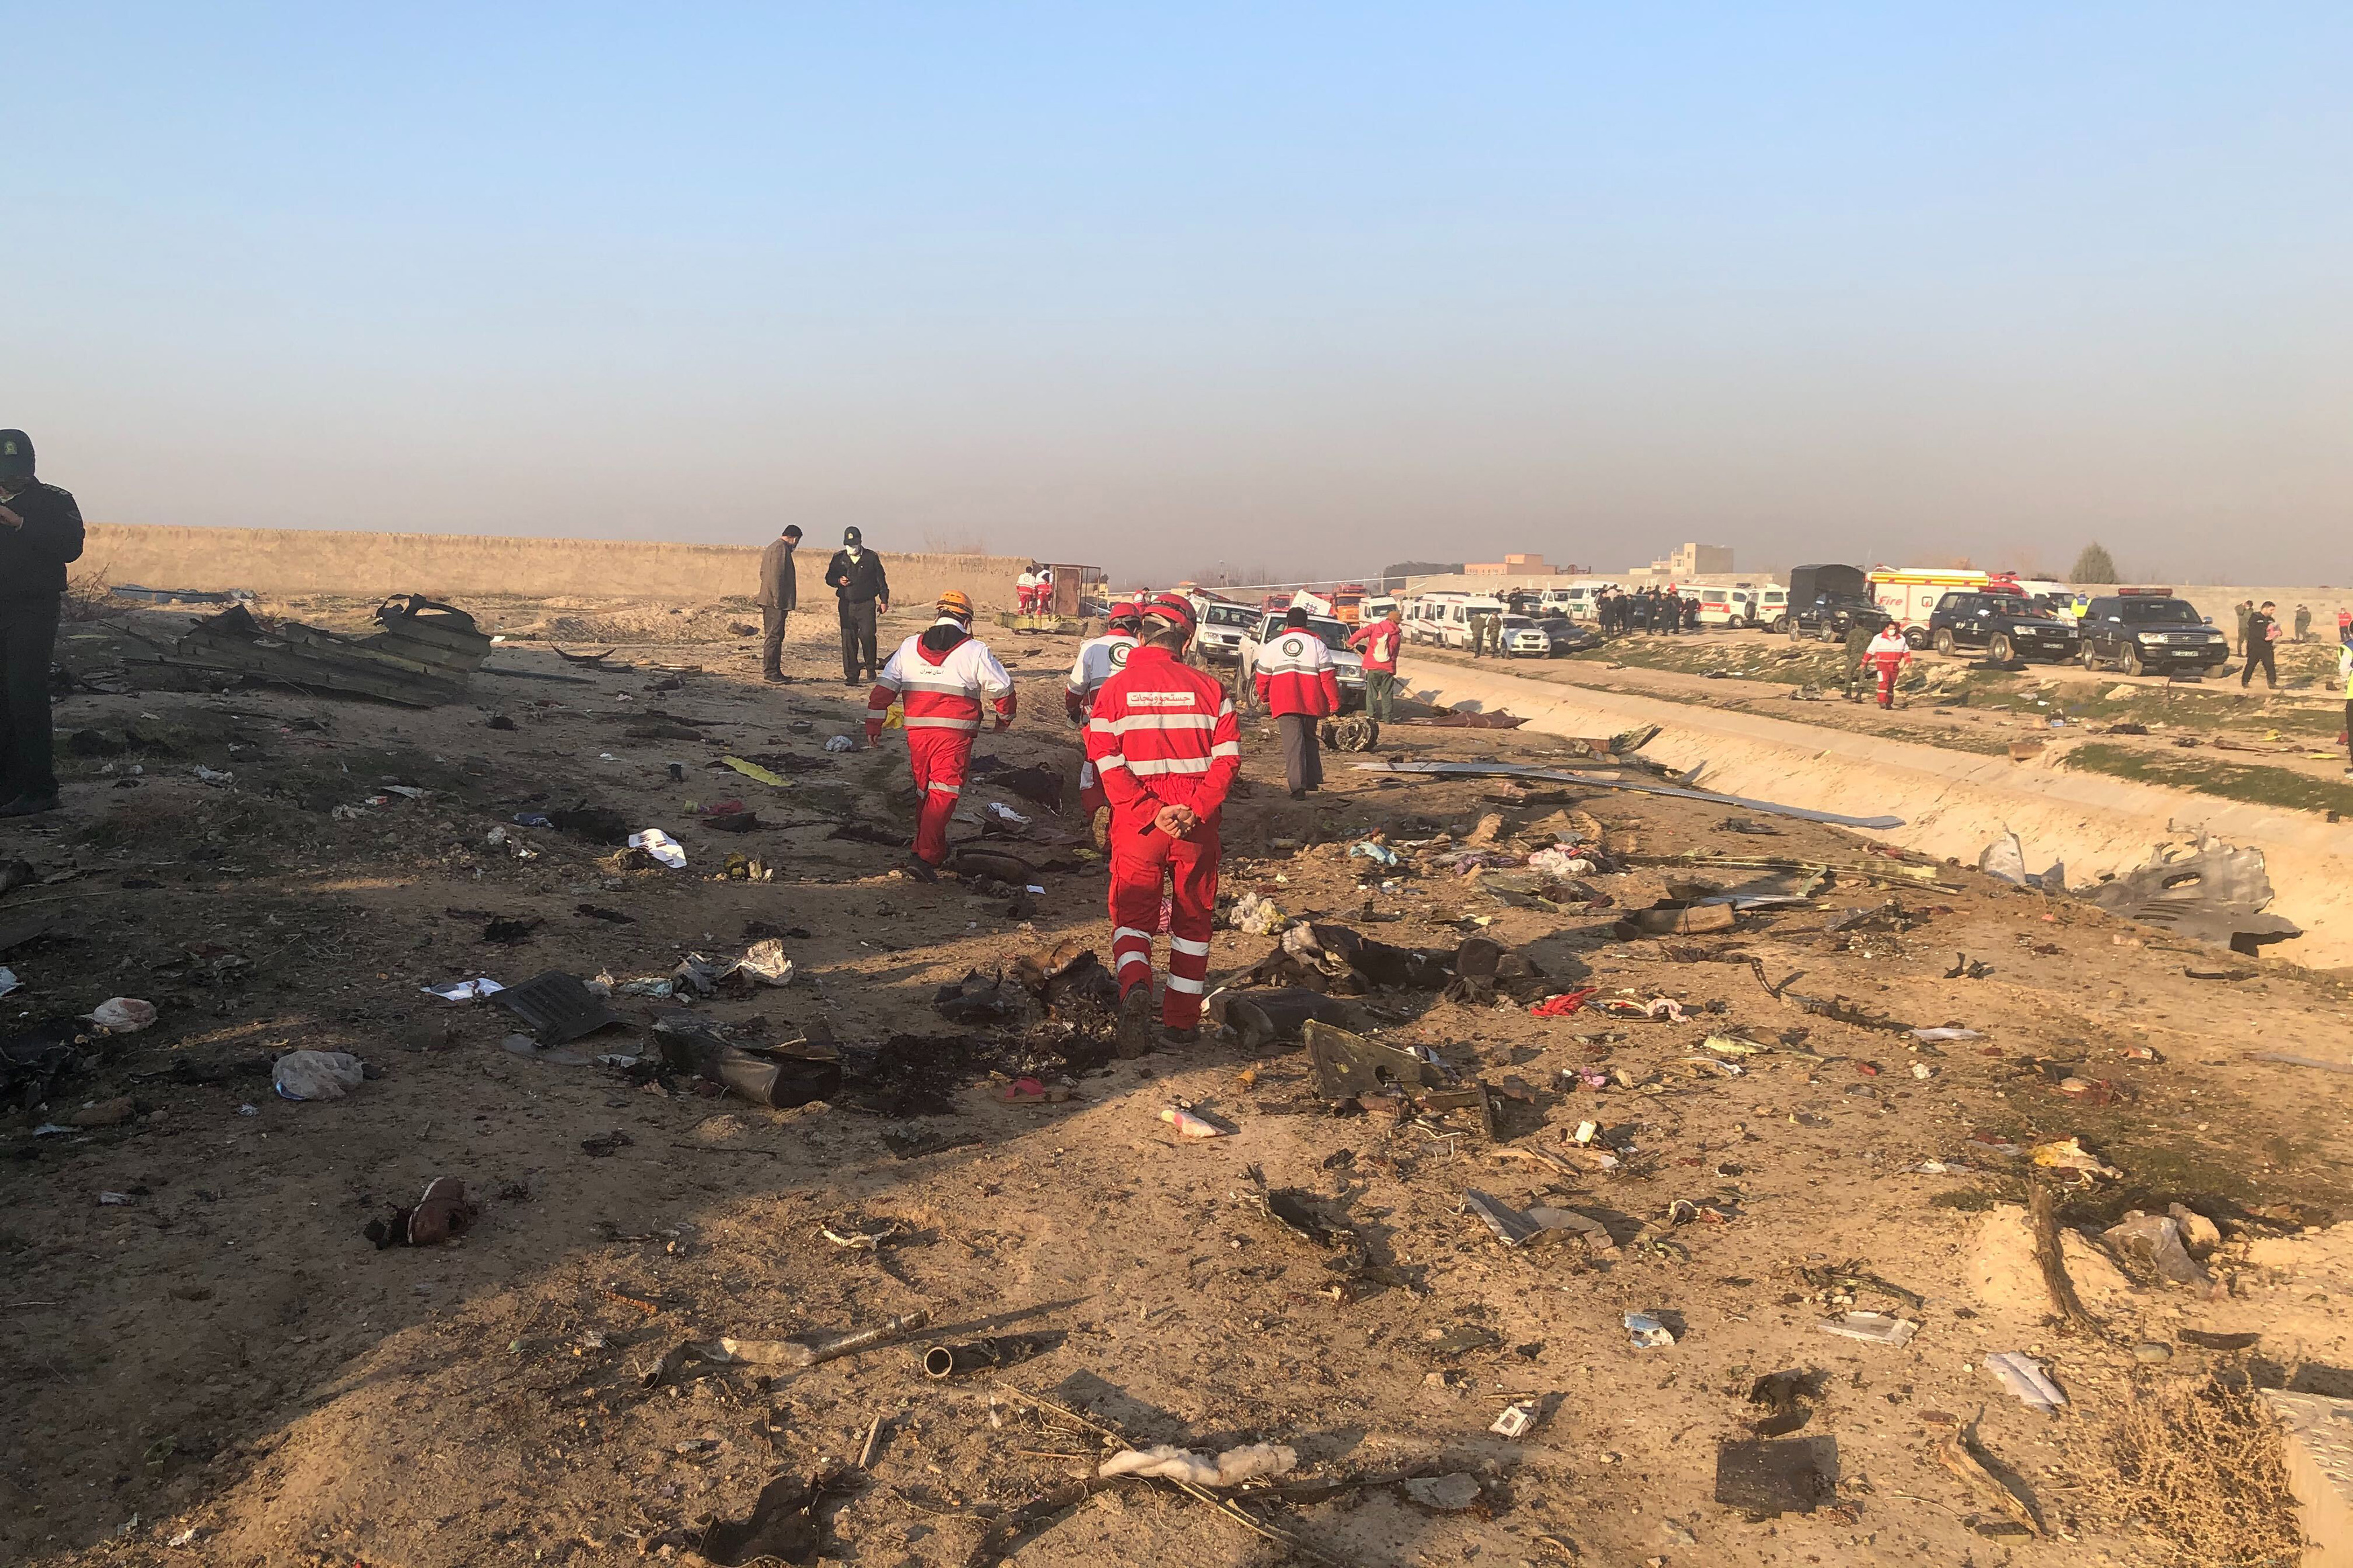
224, 1361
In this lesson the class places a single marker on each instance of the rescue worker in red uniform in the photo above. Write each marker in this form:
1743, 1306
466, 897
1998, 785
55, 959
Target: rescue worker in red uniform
1297, 680
1164, 741
1888, 653
941, 676
1099, 659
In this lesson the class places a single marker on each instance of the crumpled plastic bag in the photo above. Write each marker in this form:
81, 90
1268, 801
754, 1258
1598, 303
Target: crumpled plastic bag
767, 963
1560, 865
1230, 1469
1562, 1006
123, 1014
841, 743
661, 847
1253, 915
318, 1075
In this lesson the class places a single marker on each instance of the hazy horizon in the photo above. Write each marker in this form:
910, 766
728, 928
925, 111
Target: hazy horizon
1310, 289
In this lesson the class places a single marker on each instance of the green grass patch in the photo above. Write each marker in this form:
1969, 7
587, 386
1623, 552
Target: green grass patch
2252, 783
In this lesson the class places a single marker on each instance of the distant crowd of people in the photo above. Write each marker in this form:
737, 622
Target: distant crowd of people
1646, 610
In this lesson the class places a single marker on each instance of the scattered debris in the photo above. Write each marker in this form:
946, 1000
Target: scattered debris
441, 1212
1956, 1452
556, 1007
421, 658
1783, 1396
659, 845
1188, 1125
780, 1077
1765, 1477
2154, 1244
1444, 1494
1231, 1469
983, 1356
123, 1014
464, 990
1871, 1328
2069, 1155
1648, 1333
2212, 894
783, 1525
2024, 1376
317, 1075
1518, 1419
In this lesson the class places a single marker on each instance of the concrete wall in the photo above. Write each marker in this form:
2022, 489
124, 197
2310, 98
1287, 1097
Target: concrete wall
280, 563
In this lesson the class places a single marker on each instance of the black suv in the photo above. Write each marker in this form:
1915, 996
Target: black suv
1829, 615
2006, 625
2149, 631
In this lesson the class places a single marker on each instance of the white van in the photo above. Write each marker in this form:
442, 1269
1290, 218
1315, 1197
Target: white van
1453, 626
1771, 610
1724, 606
1580, 601
1422, 614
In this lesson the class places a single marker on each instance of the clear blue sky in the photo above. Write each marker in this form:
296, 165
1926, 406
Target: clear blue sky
1283, 285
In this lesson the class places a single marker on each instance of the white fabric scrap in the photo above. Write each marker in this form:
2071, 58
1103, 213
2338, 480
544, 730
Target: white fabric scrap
1230, 1469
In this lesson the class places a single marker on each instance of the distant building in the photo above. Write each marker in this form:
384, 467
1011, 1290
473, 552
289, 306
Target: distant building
1510, 566
1692, 560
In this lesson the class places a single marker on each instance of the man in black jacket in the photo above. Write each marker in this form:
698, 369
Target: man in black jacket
855, 574
779, 597
40, 532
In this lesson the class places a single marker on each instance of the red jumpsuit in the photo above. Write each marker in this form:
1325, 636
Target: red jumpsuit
940, 676
1888, 655
1161, 734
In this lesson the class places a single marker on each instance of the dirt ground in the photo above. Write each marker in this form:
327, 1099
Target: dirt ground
207, 1362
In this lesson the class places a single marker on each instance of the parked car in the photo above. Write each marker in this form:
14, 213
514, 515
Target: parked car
1566, 636
1349, 663
1828, 616
1218, 637
1523, 638
2147, 629
2006, 626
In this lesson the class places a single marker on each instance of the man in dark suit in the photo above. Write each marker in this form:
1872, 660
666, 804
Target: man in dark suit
779, 596
40, 533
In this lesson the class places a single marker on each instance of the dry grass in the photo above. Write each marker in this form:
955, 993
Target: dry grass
2202, 1465
87, 597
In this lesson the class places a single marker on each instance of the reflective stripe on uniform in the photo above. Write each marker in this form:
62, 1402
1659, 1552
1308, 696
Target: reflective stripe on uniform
1190, 987
918, 721
1149, 767
947, 789
1135, 955
1197, 949
940, 681
1123, 932
1162, 722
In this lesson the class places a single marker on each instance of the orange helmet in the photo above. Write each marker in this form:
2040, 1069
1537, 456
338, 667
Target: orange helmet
957, 603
